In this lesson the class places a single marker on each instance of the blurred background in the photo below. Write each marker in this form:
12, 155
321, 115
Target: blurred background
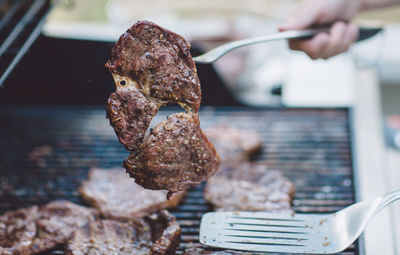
250, 73
59, 60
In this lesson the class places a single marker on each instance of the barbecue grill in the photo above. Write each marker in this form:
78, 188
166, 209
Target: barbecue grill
47, 152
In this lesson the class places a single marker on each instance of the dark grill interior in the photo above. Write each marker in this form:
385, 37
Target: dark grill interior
20, 24
47, 151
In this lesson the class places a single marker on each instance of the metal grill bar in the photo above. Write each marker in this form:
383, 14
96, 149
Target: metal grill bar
311, 147
10, 13
22, 35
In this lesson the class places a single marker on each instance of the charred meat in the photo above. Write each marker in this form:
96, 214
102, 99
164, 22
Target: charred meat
252, 187
34, 230
242, 185
151, 67
174, 156
17, 231
158, 63
157, 234
130, 113
57, 221
112, 192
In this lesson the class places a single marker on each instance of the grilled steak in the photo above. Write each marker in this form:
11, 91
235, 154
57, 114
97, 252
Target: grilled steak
34, 230
158, 63
157, 234
57, 221
203, 251
151, 67
116, 197
174, 156
251, 187
17, 230
234, 145
241, 185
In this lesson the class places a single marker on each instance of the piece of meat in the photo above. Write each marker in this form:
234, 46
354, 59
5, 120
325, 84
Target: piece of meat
249, 187
174, 156
203, 251
151, 67
34, 230
156, 234
115, 195
57, 221
17, 231
130, 113
232, 144
158, 62
166, 233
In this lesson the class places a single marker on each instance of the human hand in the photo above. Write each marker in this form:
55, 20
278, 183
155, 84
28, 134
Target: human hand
316, 12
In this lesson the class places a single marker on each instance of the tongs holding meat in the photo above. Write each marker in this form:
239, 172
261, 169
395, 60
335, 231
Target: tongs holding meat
213, 55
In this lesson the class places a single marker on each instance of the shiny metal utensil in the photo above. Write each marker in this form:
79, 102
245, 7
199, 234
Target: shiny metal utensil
298, 233
214, 54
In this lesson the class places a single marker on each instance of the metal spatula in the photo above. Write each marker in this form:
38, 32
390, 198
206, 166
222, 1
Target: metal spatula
298, 233
214, 54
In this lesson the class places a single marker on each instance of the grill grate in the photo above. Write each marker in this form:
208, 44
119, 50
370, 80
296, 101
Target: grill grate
20, 24
46, 152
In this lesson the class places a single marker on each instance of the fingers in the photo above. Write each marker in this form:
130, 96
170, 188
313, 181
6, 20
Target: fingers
324, 45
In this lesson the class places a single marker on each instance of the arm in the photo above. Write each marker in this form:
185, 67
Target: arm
341, 36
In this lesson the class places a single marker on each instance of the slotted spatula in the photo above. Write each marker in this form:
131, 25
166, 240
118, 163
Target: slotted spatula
297, 233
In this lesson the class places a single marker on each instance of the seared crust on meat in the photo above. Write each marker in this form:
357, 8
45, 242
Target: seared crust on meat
130, 113
166, 233
115, 195
152, 66
174, 156
17, 231
159, 62
157, 234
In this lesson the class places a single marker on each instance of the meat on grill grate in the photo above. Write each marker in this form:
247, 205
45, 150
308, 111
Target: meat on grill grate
113, 193
17, 230
57, 221
34, 230
157, 234
252, 187
234, 145
151, 67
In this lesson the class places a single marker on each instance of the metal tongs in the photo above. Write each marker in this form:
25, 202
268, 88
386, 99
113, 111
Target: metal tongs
365, 32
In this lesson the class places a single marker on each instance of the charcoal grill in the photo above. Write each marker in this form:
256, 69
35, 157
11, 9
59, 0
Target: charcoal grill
47, 151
